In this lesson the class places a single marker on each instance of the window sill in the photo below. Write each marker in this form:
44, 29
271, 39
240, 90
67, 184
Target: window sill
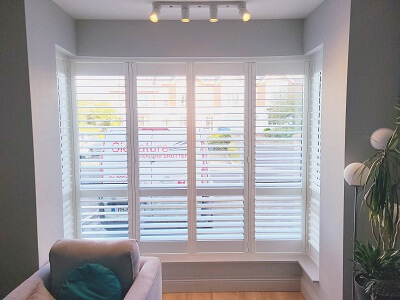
305, 262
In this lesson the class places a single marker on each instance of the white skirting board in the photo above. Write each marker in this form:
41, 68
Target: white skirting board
309, 289
232, 285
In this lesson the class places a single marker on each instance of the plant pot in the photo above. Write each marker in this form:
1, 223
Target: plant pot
362, 295
378, 297
360, 289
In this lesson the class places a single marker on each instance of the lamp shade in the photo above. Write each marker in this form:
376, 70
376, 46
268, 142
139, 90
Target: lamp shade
356, 174
381, 137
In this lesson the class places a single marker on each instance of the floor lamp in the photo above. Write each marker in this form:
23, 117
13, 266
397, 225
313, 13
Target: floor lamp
355, 177
356, 174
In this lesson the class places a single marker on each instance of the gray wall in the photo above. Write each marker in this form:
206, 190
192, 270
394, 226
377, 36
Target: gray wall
47, 25
194, 39
329, 26
18, 235
372, 90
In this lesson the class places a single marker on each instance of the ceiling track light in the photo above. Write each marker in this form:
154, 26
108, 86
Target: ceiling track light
155, 13
185, 13
243, 12
213, 13
185, 7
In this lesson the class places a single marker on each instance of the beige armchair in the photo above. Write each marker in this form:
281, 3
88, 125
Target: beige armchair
140, 277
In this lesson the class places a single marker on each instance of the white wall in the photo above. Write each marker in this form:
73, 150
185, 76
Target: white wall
47, 25
372, 91
329, 25
194, 39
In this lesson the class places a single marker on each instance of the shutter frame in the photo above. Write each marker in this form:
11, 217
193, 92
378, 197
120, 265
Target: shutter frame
66, 146
314, 160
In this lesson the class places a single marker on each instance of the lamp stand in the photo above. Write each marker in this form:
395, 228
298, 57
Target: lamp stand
354, 239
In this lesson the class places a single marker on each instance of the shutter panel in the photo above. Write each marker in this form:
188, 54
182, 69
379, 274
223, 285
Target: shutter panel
220, 146
66, 144
162, 141
314, 160
278, 154
102, 140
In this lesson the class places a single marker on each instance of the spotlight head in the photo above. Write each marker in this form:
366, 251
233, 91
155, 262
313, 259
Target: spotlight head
243, 12
185, 13
213, 13
155, 13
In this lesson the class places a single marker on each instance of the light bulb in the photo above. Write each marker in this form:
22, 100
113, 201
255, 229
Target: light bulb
246, 17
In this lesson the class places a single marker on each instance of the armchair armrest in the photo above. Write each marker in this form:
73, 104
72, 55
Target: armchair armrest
148, 283
27, 287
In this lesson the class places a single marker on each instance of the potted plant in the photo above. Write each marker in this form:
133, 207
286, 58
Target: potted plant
378, 275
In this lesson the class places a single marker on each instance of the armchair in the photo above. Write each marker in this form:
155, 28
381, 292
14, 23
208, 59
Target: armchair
140, 277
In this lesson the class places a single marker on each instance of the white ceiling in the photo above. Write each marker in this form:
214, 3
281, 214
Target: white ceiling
140, 9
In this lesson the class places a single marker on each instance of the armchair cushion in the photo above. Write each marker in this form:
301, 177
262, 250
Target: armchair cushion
121, 257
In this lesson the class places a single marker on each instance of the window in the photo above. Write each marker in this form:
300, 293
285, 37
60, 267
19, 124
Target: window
220, 156
161, 110
192, 157
102, 145
279, 152
314, 161
66, 146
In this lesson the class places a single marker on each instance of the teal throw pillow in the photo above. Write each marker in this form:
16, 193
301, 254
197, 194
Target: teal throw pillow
91, 282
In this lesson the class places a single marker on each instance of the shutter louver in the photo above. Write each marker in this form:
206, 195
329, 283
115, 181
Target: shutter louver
162, 140
102, 140
66, 144
314, 160
220, 146
278, 153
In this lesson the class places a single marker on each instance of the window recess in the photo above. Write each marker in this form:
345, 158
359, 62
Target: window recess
195, 157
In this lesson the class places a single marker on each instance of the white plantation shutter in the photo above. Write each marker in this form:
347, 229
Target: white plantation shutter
66, 144
279, 113
102, 144
214, 157
162, 156
220, 147
313, 203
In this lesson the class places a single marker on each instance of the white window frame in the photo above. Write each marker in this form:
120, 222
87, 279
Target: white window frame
133, 191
